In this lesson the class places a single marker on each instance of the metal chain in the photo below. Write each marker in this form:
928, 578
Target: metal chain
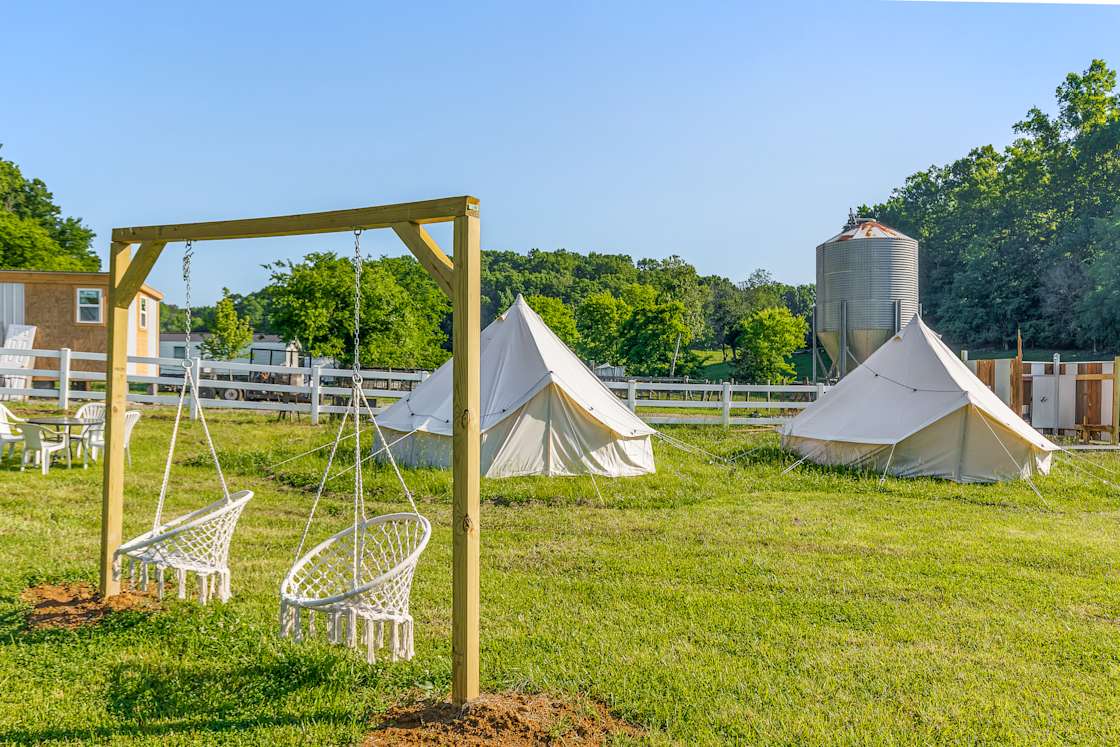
359, 486
357, 300
188, 253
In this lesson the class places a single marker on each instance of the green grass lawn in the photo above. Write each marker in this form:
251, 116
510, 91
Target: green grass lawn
706, 604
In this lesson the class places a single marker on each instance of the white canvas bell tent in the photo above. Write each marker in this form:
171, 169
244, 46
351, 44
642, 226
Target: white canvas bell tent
543, 411
914, 409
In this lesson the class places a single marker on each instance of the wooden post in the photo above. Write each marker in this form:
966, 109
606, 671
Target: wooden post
725, 394
1057, 395
196, 374
64, 379
1116, 400
632, 395
467, 324
1017, 375
316, 377
116, 402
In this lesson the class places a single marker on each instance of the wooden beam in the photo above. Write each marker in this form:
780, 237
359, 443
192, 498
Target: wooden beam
116, 403
466, 325
1116, 400
430, 256
381, 216
138, 270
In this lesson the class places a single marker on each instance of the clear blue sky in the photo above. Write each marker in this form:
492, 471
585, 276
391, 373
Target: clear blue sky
736, 135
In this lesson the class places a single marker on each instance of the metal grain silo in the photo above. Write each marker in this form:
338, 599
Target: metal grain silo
867, 289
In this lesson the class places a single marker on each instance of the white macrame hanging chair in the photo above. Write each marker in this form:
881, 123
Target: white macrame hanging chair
197, 542
360, 579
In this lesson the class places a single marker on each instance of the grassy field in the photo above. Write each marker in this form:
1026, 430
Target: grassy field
710, 605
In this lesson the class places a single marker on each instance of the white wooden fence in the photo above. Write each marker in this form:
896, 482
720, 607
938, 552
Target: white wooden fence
294, 397
313, 383
782, 401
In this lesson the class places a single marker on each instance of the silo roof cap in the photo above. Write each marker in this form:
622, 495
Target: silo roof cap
868, 229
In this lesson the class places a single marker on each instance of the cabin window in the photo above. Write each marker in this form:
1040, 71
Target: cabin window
143, 313
89, 305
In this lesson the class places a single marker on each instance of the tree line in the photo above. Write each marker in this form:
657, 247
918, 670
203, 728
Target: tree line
650, 315
1028, 236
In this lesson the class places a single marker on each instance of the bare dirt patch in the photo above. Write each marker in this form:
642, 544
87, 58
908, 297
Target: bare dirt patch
505, 720
74, 605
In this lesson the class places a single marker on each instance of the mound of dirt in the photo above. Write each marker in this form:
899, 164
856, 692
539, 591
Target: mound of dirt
73, 605
506, 720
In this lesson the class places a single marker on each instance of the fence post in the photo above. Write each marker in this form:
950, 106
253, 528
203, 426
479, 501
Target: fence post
316, 376
725, 396
196, 373
632, 395
1116, 400
820, 391
63, 378
1057, 395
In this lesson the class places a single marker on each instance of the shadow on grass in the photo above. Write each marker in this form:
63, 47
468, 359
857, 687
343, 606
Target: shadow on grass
182, 725
164, 690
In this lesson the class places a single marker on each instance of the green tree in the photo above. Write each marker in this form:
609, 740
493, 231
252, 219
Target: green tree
230, 333
313, 301
767, 340
726, 306
599, 320
25, 244
557, 316
33, 230
1012, 238
650, 336
677, 280
173, 318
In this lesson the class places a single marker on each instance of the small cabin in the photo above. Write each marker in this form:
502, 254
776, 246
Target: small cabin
70, 310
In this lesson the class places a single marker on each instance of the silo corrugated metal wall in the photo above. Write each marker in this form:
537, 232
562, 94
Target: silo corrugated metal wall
868, 273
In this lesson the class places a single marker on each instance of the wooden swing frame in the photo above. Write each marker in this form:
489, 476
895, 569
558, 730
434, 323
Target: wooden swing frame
458, 279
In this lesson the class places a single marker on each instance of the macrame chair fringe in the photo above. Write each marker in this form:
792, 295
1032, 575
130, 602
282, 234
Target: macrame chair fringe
346, 627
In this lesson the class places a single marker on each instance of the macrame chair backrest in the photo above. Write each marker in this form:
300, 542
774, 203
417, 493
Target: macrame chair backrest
201, 537
390, 546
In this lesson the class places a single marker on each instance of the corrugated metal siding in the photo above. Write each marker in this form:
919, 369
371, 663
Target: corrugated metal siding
870, 274
11, 304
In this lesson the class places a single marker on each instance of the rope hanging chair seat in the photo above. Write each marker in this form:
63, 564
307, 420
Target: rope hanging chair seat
323, 581
360, 578
197, 542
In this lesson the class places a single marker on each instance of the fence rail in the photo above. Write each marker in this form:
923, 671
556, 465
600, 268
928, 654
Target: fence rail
309, 389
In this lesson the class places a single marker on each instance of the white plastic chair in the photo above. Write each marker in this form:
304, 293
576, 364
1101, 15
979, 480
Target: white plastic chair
9, 432
89, 410
39, 449
95, 437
